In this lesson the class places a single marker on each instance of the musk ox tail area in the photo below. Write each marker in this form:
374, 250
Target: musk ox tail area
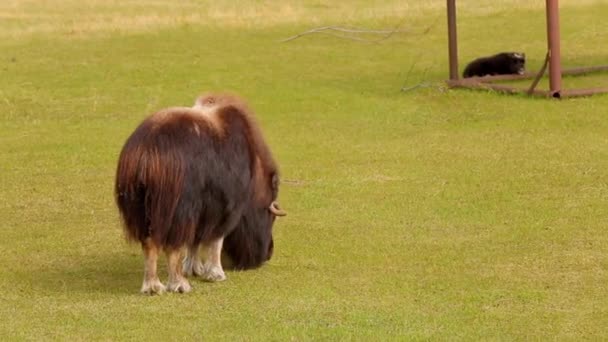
149, 181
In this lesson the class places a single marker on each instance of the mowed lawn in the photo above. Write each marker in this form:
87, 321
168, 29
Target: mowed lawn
431, 214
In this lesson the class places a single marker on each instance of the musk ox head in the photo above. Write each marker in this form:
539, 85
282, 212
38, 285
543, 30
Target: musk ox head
250, 244
517, 62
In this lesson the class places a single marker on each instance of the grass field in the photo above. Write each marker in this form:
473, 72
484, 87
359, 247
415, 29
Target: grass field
431, 214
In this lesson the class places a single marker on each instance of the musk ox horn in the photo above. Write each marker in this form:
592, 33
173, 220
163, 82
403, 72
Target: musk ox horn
275, 209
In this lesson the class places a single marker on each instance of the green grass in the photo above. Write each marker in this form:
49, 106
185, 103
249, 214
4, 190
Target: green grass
432, 215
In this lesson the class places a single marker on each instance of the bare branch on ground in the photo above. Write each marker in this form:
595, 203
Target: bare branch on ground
325, 29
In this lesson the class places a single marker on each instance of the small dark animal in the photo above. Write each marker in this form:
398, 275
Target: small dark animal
196, 176
504, 63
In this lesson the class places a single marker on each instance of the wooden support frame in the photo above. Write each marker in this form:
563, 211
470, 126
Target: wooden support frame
554, 61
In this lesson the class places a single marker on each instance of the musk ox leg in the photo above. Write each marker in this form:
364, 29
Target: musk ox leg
212, 268
192, 262
177, 282
151, 284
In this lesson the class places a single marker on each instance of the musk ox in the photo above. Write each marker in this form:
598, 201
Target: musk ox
504, 63
199, 176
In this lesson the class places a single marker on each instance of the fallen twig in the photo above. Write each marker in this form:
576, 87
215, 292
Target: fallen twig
324, 30
419, 85
540, 74
342, 29
387, 33
423, 84
344, 36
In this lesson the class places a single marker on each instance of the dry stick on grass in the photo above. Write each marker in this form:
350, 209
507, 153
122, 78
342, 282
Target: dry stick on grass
407, 77
387, 33
331, 34
540, 74
416, 86
424, 84
324, 29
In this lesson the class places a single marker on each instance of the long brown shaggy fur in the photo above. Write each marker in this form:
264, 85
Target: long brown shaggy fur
192, 175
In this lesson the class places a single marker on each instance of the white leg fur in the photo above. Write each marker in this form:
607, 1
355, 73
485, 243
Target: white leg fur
212, 268
151, 284
180, 285
152, 287
177, 282
192, 262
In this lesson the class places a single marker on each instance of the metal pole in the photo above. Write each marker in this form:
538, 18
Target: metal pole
555, 66
452, 41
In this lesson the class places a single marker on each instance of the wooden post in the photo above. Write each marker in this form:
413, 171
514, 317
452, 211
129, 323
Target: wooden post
553, 39
452, 40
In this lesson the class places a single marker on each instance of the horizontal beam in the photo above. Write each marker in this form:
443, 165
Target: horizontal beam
583, 92
496, 78
584, 70
471, 84
529, 75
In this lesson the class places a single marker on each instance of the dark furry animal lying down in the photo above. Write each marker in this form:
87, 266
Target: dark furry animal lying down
505, 63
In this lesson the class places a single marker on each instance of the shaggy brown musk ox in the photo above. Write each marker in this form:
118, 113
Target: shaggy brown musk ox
200, 176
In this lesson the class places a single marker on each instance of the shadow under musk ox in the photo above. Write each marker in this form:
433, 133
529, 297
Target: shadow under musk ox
198, 177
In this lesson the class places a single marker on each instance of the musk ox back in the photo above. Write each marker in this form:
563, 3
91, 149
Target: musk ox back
200, 176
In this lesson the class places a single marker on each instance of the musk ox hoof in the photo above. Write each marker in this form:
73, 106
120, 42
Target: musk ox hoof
213, 273
152, 287
180, 286
193, 267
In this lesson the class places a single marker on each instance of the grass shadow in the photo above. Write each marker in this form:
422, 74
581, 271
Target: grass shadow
109, 273
99, 273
